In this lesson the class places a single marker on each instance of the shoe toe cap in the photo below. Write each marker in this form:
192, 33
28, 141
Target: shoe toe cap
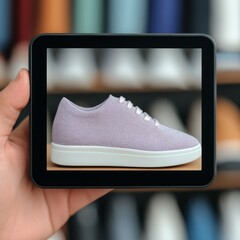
176, 140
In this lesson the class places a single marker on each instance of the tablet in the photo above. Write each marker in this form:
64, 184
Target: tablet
122, 111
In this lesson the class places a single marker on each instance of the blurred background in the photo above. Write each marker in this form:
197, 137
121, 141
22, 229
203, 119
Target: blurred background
209, 213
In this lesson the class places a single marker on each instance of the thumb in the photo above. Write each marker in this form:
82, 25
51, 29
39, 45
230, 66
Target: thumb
12, 100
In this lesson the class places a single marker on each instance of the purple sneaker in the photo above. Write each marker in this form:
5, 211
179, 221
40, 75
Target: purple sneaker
116, 133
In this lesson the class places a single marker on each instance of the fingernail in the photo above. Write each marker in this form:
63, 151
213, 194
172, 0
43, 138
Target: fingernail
19, 75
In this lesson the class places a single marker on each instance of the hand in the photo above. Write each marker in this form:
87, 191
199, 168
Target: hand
26, 211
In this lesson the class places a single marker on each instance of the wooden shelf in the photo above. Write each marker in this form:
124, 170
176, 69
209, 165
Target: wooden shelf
98, 86
223, 77
59, 90
228, 77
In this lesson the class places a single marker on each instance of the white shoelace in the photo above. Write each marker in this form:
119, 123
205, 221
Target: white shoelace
139, 111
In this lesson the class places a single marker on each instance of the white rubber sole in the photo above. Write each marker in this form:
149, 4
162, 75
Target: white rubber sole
98, 156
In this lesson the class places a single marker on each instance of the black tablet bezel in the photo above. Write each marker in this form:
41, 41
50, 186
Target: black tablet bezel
119, 179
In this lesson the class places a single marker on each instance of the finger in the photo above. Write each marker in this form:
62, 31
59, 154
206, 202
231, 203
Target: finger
80, 198
19, 139
21, 133
12, 100
69, 201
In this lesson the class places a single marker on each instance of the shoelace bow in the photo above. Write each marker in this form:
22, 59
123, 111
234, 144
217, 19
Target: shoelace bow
139, 111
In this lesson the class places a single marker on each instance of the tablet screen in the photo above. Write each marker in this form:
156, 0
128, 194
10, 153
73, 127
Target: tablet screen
124, 109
